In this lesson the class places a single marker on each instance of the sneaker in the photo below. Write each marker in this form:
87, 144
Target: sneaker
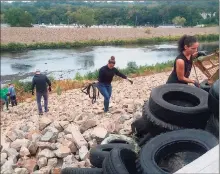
46, 110
40, 113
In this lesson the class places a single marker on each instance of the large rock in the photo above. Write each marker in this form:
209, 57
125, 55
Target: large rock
24, 151
69, 161
33, 135
33, 148
44, 122
10, 152
11, 135
99, 133
68, 137
62, 151
21, 171
18, 143
52, 162
50, 135
3, 158
28, 163
71, 145
47, 145
57, 125
78, 138
83, 152
87, 125
46, 153
42, 162
45, 170
7, 168
64, 124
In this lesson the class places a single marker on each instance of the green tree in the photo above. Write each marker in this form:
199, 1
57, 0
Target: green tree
85, 16
179, 20
18, 18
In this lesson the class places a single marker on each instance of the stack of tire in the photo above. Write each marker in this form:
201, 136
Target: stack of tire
173, 122
213, 103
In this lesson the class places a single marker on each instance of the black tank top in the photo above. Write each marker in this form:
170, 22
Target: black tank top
188, 66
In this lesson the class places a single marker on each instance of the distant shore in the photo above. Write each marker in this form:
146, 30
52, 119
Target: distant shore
56, 35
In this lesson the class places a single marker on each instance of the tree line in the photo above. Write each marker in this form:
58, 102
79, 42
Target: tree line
151, 13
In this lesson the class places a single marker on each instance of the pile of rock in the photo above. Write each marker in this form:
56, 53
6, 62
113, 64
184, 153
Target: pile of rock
52, 145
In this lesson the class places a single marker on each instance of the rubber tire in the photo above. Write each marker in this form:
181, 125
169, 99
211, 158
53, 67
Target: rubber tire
145, 139
139, 127
71, 170
213, 99
121, 139
146, 163
154, 124
213, 126
100, 152
191, 117
205, 86
120, 161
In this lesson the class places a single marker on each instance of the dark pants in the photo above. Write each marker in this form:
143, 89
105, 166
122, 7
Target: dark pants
39, 96
106, 91
13, 100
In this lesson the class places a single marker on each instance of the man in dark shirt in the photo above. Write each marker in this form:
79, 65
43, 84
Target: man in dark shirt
106, 74
41, 81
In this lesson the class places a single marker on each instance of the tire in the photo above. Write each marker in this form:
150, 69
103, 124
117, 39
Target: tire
213, 99
145, 139
180, 104
70, 170
120, 161
170, 143
154, 124
139, 127
213, 126
100, 152
205, 86
121, 139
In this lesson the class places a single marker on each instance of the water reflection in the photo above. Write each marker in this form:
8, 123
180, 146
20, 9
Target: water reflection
21, 67
86, 61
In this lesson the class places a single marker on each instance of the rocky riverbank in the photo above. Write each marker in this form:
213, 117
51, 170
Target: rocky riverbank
52, 141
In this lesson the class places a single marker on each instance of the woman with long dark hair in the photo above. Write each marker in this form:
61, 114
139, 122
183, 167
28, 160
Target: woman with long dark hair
188, 50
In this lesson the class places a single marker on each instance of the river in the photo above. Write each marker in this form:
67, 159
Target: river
65, 63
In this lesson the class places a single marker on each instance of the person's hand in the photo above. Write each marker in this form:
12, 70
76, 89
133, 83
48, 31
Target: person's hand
32, 92
130, 81
49, 88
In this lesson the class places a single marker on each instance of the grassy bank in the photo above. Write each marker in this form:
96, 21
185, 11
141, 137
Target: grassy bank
23, 89
16, 47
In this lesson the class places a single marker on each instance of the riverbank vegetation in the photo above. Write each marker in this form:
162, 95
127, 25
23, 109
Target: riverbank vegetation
16, 47
23, 89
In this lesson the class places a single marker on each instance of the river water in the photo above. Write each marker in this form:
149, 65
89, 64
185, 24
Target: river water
65, 63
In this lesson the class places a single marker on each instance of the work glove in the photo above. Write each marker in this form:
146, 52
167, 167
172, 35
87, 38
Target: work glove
32, 92
196, 83
130, 81
201, 53
49, 88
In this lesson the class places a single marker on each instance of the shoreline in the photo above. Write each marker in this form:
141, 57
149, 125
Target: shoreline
15, 39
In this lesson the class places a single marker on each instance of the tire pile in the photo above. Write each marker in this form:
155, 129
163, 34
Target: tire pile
179, 123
